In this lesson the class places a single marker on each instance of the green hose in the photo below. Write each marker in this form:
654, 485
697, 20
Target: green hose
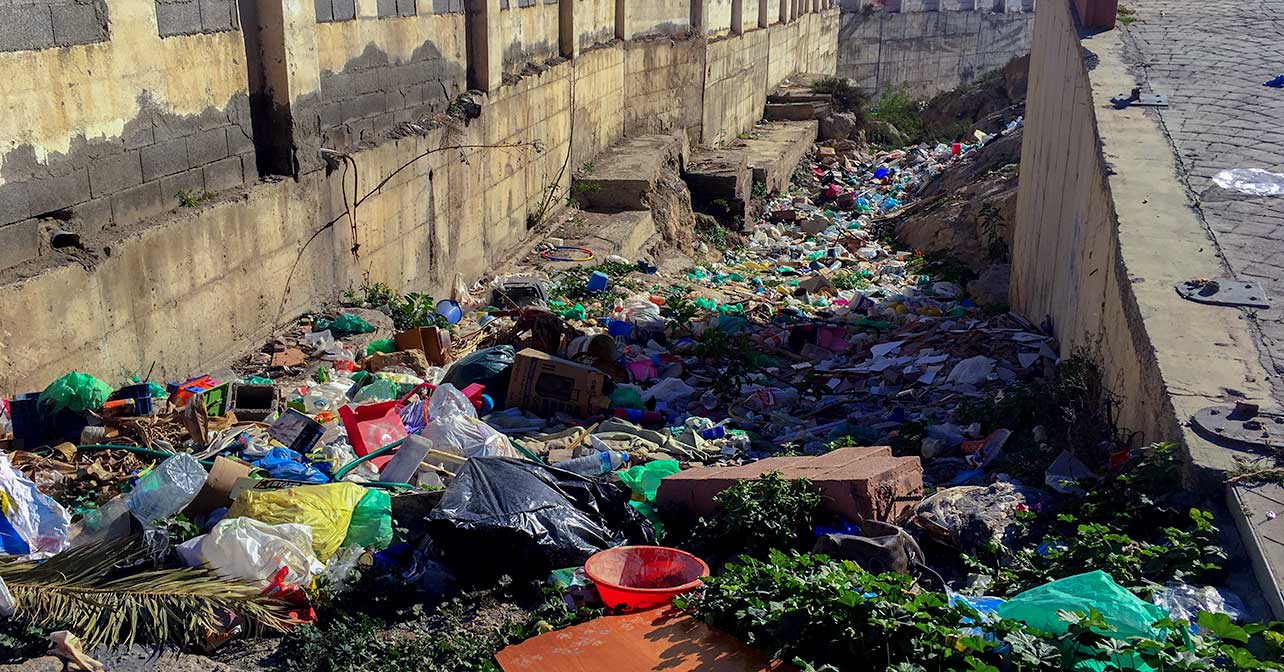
139, 450
343, 471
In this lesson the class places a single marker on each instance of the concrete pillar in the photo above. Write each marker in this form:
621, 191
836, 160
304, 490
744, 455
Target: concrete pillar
485, 56
569, 46
1096, 14
697, 16
784, 10
764, 14
622, 20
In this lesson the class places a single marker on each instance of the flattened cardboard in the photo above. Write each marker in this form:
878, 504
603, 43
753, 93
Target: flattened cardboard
433, 341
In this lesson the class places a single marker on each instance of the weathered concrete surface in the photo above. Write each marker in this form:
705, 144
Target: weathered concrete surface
927, 52
460, 195
1208, 61
622, 178
624, 233
775, 149
1105, 229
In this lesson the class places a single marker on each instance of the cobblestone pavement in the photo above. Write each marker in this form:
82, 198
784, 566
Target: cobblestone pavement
1211, 58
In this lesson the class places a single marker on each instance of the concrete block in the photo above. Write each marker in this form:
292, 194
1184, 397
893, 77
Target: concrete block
19, 243
138, 133
856, 483
386, 8
110, 174
91, 216
225, 174
15, 202
345, 10
178, 17
165, 158
218, 16
136, 203
207, 147
406, 8
191, 181
78, 24
23, 28
56, 193
239, 140
324, 10
446, 6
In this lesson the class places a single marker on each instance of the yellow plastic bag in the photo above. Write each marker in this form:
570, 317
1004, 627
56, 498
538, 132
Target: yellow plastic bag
327, 509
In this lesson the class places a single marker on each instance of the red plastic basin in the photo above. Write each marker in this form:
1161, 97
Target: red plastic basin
641, 577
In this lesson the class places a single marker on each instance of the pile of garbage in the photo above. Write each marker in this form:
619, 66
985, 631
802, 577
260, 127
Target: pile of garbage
536, 420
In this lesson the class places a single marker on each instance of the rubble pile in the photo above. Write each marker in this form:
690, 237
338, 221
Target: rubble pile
532, 422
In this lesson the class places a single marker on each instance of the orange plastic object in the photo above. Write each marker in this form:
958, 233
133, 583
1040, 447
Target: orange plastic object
641, 577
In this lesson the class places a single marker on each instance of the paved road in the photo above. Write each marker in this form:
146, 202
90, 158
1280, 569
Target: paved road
1211, 59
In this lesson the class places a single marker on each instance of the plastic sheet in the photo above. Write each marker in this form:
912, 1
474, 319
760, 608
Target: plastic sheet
541, 517
1251, 181
32, 522
244, 548
1185, 601
453, 427
327, 509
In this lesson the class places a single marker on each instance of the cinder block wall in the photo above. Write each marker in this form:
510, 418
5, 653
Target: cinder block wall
929, 46
111, 109
188, 288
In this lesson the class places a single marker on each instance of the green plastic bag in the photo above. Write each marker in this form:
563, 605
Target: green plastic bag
346, 324
386, 346
75, 391
1129, 615
644, 479
371, 525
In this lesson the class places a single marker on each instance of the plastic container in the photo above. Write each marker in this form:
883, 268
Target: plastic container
372, 427
406, 462
598, 282
640, 577
595, 465
167, 489
30, 427
449, 309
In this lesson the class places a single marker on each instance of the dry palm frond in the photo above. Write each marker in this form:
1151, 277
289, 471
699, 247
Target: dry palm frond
86, 591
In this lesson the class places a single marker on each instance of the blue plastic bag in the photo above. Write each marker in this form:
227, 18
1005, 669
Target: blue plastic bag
287, 464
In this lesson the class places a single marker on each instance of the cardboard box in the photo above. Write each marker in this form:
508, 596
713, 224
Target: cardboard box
217, 490
544, 384
433, 341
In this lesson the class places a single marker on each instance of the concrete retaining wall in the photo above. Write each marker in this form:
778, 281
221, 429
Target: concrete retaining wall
926, 52
188, 288
1104, 231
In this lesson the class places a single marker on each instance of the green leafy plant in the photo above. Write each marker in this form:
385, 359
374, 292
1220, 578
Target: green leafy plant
902, 112
849, 280
1134, 526
760, 191
194, 198
1125, 15
756, 516
848, 95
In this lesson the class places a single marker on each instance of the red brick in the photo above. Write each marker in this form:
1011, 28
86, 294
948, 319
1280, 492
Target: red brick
856, 482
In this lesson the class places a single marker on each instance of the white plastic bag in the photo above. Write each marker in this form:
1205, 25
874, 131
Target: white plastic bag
245, 548
669, 390
453, 427
972, 371
41, 525
1252, 181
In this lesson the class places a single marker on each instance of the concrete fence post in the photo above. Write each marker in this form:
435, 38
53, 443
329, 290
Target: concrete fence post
484, 55
1097, 14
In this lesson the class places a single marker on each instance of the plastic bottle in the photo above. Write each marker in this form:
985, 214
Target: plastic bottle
595, 465
167, 489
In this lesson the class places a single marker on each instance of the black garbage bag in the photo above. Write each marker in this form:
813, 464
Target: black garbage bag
491, 367
508, 516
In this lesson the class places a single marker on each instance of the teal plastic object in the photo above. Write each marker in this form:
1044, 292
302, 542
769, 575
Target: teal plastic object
1128, 615
371, 525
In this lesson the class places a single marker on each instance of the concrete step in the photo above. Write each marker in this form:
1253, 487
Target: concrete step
620, 177
798, 111
626, 233
775, 150
768, 154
